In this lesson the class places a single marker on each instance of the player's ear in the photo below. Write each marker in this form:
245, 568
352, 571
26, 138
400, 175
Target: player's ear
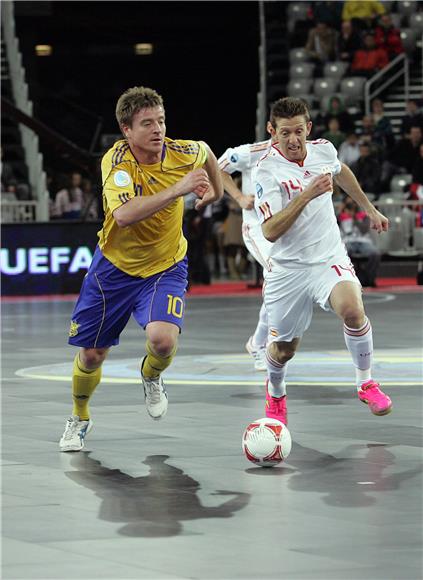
309, 126
270, 129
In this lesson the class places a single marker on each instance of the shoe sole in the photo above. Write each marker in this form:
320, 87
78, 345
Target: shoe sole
67, 449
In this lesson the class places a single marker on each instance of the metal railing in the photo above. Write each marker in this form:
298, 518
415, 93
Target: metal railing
18, 211
33, 158
385, 78
261, 113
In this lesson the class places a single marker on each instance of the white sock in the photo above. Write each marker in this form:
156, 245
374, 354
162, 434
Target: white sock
260, 334
359, 342
276, 373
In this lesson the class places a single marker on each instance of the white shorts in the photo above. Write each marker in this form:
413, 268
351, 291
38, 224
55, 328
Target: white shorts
256, 244
289, 295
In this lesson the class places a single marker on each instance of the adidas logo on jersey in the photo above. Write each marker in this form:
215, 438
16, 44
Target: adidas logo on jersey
306, 175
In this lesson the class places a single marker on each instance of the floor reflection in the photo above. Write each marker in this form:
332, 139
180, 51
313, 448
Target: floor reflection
154, 505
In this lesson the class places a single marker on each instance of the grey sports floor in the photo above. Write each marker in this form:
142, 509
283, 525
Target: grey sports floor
177, 499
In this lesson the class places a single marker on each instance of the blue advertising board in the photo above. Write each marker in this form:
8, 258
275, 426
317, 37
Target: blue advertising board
46, 258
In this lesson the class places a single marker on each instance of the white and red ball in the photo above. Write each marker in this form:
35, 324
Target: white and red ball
266, 442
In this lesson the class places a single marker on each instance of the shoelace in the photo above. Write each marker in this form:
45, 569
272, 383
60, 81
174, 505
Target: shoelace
369, 386
71, 429
154, 390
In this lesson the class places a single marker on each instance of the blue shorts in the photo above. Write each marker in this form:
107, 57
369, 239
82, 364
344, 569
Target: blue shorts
109, 296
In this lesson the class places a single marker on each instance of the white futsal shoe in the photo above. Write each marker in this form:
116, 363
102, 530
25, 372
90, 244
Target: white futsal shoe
155, 396
258, 353
73, 438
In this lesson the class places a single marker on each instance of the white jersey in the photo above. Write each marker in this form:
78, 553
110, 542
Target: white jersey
314, 237
243, 159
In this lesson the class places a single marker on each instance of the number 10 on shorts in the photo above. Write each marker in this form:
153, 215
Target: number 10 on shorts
175, 306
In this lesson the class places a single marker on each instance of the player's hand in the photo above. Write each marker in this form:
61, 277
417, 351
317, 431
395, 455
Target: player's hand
319, 185
246, 201
378, 221
196, 181
208, 198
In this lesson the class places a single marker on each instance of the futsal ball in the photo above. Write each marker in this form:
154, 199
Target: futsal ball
266, 442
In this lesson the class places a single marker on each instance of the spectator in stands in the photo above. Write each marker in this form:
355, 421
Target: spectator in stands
367, 169
366, 130
363, 14
388, 37
337, 109
413, 116
89, 201
220, 212
407, 151
349, 151
68, 201
334, 134
329, 12
383, 134
349, 41
321, 44
354, 225
369, 59
415, 188
12, 188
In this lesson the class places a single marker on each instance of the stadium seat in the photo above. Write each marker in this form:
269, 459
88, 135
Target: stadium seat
325, 87
335, 69
299, 87
303, 70
408, 37
352, 88
407, 8
399, 181
297, 55
396, 19
416, 23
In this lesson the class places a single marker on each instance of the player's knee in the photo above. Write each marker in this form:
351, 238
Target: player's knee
282, 352
92, 358
163, 345
354, 316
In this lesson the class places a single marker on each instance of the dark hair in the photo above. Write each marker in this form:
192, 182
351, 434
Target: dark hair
287, 108
133, 100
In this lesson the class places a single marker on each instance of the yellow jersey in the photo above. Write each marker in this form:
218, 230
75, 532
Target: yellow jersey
156, 243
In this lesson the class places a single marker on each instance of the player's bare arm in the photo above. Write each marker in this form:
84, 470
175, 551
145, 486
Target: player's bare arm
348, 182
229, 185
215, 189
279, 224
141, 208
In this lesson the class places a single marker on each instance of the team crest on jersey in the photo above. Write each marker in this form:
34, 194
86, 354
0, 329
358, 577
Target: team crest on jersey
121, 178
73, 329
259, 190
234, 158
326, 170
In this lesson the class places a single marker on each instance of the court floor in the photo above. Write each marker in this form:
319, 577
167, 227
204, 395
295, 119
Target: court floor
176, 499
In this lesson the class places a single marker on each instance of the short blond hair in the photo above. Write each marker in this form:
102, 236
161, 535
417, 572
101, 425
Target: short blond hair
132, 101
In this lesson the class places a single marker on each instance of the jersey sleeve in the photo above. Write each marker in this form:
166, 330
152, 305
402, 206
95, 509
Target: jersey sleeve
118, 185
268, 198
333, 162
235, 159
202, 154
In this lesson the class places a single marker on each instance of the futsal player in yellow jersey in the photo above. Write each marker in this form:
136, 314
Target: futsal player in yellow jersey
140, 265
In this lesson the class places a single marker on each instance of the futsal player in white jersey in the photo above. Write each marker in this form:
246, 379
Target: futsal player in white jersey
243, 159
308, 261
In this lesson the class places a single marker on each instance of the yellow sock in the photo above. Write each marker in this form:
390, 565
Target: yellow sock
84, 382
155, 364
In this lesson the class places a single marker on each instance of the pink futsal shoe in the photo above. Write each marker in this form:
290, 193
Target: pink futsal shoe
275, 407
379, 403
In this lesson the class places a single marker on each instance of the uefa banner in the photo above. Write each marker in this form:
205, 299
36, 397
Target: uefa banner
46, 258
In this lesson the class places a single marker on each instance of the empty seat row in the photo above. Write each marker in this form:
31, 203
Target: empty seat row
352, 88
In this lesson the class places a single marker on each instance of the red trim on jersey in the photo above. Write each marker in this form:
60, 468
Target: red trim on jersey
299, 163
265, 210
